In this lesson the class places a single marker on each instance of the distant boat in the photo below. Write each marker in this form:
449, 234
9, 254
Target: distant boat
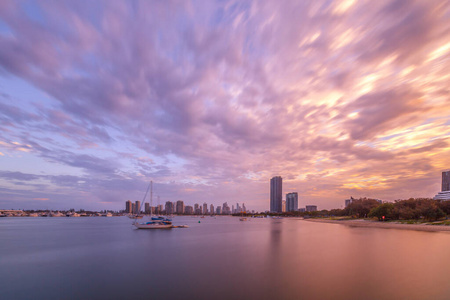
107, 215
135, 217
243, 219
155, 222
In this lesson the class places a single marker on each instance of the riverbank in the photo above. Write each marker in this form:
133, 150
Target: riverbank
386, 225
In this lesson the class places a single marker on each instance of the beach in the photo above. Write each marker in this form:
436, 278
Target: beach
386, 225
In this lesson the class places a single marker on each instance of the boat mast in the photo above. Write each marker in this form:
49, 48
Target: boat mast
151, 197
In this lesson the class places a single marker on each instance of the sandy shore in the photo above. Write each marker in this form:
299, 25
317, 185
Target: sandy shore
387, 225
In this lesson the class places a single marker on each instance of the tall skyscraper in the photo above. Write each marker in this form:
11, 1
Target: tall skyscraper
292, 201
137, 208
128, 207
169, 208
276, 192
446, 181
188, 210
147, 207
205, 208
180, 207
211, 209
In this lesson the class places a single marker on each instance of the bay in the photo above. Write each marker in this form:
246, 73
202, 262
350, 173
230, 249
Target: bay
218, 258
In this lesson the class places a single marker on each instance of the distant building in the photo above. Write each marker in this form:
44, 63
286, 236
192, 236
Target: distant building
180, 207
218, 210
302, 209
311, 207
205, 208
226, 209
188, 210
211, 209
244, 209
137, 207
276, 192
283, 206
292, 201
445, 181
169, 208
147, 208
444, 194
348, 201
128, 207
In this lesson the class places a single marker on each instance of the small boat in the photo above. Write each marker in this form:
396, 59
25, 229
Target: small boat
180, 226
154, 225
243, 219
135, 217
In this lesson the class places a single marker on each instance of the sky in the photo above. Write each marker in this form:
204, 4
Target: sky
210, 99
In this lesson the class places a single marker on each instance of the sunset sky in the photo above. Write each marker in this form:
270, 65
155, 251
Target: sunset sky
210, 99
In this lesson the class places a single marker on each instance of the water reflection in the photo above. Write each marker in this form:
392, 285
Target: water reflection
219, 258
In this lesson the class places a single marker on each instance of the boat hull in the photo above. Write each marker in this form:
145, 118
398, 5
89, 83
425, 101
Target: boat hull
153, 226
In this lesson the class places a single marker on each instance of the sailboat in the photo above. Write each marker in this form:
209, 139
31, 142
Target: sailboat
155, 222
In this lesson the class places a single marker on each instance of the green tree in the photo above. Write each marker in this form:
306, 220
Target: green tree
384, 209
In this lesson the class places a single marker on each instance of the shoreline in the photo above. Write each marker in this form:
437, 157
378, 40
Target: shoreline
385, 225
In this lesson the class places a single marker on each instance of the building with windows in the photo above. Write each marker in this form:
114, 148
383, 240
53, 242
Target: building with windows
276, 192
444, 194
311, 207
128, 207
211, 209
169, 208
205, 208
226, 209
188, 210
180, 207
292, 201
348, 201
147, 208
137, 209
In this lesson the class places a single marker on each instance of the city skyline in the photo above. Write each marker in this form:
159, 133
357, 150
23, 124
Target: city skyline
212, 99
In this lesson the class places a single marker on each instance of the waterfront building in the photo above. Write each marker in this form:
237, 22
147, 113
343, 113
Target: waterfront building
302, 209
444, 194
292, 201
233, 211
445, 181
211, 209
133, 208
276, 191
205, 208
128, 207
226, 209
137, 207
283, 206
348, 201
169, 208
147, 208
188, 210
218, 210
311, 207
180, 207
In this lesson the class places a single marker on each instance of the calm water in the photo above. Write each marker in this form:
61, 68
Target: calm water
219, 258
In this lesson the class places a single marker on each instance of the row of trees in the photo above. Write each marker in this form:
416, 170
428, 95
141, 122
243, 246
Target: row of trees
411, 209
427, 209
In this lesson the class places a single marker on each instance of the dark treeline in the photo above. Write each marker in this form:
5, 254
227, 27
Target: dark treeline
411, 209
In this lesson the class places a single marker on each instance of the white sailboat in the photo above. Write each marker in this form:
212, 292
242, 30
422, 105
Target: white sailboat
155, 222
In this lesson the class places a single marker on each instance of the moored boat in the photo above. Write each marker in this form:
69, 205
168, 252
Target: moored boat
155, 222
